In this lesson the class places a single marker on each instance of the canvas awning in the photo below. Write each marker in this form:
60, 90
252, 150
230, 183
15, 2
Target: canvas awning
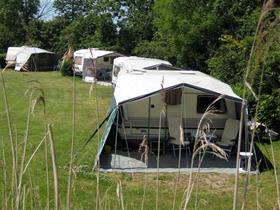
24, 54
140, 84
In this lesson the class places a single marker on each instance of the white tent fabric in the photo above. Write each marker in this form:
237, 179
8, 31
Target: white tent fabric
138, 84
24, 54
137, 63
12, 53
92, 53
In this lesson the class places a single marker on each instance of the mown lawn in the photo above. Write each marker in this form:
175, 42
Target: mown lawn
215, 191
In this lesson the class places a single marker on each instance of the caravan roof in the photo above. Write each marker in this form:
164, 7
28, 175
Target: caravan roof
140, 84
92, 53
138, 63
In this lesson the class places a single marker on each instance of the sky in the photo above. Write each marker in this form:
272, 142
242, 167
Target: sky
49, 11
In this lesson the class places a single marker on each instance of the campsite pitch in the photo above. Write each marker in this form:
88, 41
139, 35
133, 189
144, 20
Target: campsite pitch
214, 190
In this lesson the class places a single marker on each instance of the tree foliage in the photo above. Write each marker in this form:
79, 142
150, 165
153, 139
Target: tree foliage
213, 36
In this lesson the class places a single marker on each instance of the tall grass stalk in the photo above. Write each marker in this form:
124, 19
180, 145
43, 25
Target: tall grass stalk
7, 110
5, 180
24, 197
158, 153
201, 145
252, 143
69, 188
275, 172
33, 154
94, 85
18, 196
55, 176
120, 194
267, 7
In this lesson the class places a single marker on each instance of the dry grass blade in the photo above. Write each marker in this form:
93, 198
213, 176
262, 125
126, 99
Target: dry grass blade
145, 147
119, 193
7, 110
55, 176
275, 172
33, 154
162, 113
202, 145
69, 187
5, 180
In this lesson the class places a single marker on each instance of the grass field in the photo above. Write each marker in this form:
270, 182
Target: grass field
215, 191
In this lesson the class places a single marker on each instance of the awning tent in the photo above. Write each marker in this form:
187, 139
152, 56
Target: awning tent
32, 59
137, 85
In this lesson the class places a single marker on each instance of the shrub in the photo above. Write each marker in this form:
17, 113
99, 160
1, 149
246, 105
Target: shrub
66, 67
2, 60
269, 110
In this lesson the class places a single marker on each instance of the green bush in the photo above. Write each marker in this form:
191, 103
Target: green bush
2, 60
269, 110
66, 67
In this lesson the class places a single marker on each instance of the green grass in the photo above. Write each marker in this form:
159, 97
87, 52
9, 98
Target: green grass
215, 190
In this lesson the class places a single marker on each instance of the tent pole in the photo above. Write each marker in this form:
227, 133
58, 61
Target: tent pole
149, 118
116, 138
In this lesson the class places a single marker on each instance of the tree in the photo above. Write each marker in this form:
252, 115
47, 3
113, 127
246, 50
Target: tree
72, 9
191, 29
15, 15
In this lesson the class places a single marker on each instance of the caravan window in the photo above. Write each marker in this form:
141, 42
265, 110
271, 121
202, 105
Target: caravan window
106, 59
78, 60
203, 101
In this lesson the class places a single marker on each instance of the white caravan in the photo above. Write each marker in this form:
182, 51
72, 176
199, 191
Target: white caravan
86, 61
164, 109
153, 99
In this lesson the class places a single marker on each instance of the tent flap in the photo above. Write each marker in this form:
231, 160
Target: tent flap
106, 133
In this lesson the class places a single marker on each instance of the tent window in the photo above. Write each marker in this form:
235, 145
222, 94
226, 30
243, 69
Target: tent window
173, 97
106, 59
78, 60
203, 101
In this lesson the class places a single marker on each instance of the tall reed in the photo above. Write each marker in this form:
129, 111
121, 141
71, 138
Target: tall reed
55, 174
69, 188
12, 143
201, 145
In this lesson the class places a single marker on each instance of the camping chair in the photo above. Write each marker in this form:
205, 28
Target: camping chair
174, 124
229, 135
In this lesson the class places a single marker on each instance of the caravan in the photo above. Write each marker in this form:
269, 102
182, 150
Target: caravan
165, 108
87, 61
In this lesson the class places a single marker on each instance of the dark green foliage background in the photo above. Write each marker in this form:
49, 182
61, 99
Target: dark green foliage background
212, 36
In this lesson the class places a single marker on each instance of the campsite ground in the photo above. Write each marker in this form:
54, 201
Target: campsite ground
215, 191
